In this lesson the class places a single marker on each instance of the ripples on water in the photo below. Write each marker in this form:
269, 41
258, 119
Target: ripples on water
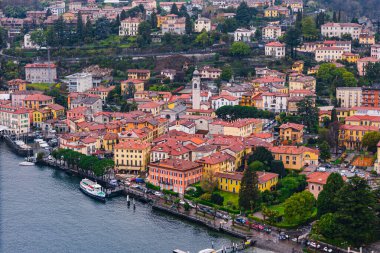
42, 210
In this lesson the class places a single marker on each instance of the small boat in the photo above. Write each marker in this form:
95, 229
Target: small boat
26, 163
92, 189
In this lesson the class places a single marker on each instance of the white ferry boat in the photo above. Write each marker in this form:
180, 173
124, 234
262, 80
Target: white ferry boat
92, 189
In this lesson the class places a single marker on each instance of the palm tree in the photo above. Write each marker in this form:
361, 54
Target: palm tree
233, 217
196, 201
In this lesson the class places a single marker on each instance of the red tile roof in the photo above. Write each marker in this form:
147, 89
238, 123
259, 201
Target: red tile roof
318, 177
38, 97
298, 127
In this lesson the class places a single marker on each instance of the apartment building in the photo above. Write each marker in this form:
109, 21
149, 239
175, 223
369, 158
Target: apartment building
129, 27
79, 82
14, 120
362, 64
174, 174
132, 156
295, 158
371, 96
375, 51
275, 101
202, 24
139, 74
328, 54
275, 49
174, 24
40, 72
349, 96
339, 29
243, 34
271, 32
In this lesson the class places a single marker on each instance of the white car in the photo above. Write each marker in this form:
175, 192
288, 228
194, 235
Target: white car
158, 193
182, 202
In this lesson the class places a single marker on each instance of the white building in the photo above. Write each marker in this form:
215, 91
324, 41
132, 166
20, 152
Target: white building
28, 43
169, 73
275, 49
202, 24
328, 54
79, 82
40, 72
129, 27
57, 8
349, 97
174, 26
14, 120
275, 102
243, 34
375, 51
222, 100
271, 32
339, 29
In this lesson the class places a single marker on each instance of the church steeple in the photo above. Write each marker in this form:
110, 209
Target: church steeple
196, 89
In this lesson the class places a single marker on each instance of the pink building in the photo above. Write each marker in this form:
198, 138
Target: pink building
363, 62
316, 181
174, 174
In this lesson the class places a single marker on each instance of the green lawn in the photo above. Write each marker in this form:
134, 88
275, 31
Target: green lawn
280, 208
39, 86
230, 197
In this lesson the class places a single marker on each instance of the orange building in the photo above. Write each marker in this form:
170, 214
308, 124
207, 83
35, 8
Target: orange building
174, 174
17, 85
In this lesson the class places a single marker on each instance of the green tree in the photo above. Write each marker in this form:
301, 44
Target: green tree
299, 208
202, 39
326, 198
153, 20
277, 166
249, 192
309, 114
243, 15
328, 226
356, 212
257, 166
263, 155
145, 31
309, 29
292, 39
226, 74
370, 140
188, 25
240, 49
38, 37
372, 72
324, 151
174, 10
80, 28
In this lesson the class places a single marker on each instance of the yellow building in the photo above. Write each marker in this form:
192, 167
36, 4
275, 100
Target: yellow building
108, 141
238, 151
217, 162
295, 158
16, 85
230, 182
138, 84
298, 66
291, 133
350, 136
363, 120
40, 116
37, 101
246, 99
140, 74
350, 57
240, 127
132, 156
366, 39
276, 11
101, 91
56, 110
342, 113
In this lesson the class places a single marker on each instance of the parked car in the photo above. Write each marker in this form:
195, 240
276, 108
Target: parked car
241, 220
158, 193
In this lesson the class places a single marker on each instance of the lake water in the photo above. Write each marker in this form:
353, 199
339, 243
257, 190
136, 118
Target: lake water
42, 210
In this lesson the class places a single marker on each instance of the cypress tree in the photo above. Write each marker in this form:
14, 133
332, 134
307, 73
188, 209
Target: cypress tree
174, 10
249, 191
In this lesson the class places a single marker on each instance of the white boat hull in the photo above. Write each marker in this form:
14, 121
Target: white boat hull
26, 164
